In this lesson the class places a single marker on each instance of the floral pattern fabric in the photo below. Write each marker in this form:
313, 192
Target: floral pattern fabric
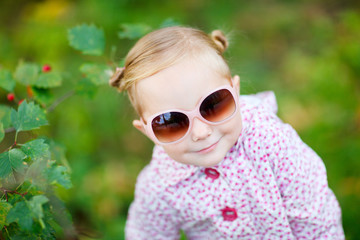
270, 185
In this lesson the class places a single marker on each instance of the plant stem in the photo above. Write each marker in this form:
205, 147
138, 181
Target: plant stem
16, 137
61, 99
13, 145
7, 232
49, 109
5, 191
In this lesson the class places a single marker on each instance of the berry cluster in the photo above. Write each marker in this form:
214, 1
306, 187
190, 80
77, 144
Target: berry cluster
11, 96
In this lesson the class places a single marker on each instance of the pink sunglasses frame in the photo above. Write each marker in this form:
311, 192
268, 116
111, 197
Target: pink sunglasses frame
191, 115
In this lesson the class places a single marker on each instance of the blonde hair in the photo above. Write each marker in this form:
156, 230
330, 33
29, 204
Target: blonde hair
165, 47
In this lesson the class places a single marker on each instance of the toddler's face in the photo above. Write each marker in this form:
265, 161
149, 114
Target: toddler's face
182, 86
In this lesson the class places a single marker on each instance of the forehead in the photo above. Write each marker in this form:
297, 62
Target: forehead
180, 86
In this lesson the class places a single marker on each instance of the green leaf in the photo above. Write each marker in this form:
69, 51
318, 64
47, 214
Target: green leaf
43, 95
27, 73
11, 161
5, 115
21, 235
35, 205
169, 22
4, 209
133, 31
21, 214
35, 175
86, 87
37, 150
47, 230
2, 131
98, 73
48, 80
6, 80
87, 38
28, 117
58, 153
58, 175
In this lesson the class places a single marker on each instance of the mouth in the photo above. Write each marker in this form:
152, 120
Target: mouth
208, 149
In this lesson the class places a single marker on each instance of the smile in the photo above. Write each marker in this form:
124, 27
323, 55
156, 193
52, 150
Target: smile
208, 149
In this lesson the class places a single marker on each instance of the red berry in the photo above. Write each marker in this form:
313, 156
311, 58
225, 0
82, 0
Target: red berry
11, 97
20, 101
46, 68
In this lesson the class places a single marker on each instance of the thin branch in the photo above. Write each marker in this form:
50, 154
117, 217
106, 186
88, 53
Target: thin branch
50, 108
61, 99
12, 146
7, 232
16, 135
6, 191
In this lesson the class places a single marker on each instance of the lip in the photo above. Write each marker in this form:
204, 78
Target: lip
208, 149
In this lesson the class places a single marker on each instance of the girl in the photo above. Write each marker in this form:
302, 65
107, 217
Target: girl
224, 166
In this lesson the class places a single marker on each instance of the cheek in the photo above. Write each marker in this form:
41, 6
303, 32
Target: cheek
232, 127
176, 151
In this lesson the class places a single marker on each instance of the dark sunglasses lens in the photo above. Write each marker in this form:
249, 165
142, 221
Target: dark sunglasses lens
169, 127
218, 106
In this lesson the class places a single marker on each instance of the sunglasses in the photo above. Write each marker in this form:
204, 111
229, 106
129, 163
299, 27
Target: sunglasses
174, 125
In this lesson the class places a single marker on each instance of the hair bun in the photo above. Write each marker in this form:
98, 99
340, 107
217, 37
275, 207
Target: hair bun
220, 40
116, 77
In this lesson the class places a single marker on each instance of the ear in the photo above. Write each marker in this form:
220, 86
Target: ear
236, 82
139, 126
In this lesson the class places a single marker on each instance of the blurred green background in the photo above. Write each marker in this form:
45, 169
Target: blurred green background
307, 52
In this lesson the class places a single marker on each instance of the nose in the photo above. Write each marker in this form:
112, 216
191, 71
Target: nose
200, 130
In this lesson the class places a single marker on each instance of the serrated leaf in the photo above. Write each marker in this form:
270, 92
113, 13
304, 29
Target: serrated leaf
11, 161
35, 205
7, 82
43, 95
57, 150
4, 209
5, 115
21, 214
58, 175
133, 31
87, 38
28, 117
27, 73
98, 73
2, 131
86, 87
37, 150
48, 80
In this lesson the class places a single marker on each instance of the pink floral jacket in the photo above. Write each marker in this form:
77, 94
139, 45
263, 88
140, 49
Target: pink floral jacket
270, 185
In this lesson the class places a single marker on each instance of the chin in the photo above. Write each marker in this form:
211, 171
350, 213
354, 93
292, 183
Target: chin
211, 162
209, 165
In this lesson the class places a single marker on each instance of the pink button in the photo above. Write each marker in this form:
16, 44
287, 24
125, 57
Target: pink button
229, 214
212, 173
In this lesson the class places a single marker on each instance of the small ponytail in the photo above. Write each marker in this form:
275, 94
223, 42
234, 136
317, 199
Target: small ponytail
220, 40
115, 80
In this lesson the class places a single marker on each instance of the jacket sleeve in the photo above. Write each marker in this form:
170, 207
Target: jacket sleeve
150, 216
311, 207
